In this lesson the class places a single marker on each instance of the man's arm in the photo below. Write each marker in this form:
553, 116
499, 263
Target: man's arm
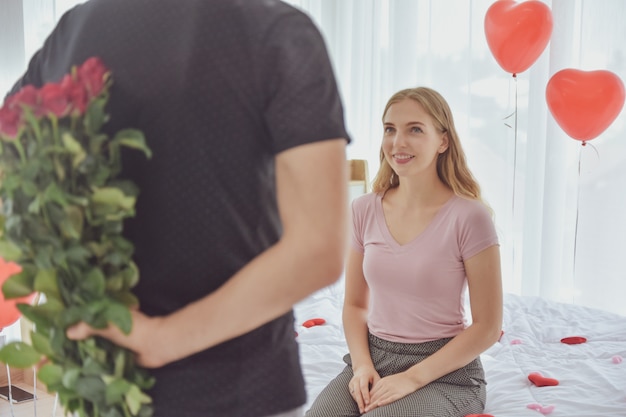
312, 199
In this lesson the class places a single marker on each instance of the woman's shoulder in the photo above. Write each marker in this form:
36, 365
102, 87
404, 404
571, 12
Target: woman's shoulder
366, 202
366, 199
470, 207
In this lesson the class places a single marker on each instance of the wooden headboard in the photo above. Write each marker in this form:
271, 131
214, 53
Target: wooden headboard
359, 177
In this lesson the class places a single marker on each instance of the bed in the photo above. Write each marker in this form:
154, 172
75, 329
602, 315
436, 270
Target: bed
591, 375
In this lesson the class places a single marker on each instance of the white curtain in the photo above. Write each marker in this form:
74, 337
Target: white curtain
562, 229
563, 233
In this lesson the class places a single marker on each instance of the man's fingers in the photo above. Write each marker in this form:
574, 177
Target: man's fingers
78, 331
82, 330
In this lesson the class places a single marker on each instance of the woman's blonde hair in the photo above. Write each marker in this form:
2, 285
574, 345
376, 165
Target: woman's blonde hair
452, 167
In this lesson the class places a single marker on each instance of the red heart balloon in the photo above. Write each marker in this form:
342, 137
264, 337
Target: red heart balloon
584, 103
517, 33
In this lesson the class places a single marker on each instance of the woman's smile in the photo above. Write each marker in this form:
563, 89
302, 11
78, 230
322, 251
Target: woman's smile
402, 158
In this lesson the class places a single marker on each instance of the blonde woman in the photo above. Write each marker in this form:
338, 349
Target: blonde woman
420, 240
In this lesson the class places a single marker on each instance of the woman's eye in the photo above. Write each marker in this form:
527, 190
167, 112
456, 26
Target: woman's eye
388, 129
416, 129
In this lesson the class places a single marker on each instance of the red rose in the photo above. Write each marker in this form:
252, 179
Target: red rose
92, 73
75, 93
54, 99
27, 96
10, 121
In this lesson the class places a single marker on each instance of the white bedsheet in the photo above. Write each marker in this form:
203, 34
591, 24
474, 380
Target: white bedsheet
591, 382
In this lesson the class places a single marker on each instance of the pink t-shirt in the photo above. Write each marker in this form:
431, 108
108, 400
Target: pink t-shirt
417, 290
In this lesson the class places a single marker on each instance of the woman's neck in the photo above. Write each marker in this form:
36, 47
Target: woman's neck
414, 192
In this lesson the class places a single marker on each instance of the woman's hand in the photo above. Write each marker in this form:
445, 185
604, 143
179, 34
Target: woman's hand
359, 385
391, 388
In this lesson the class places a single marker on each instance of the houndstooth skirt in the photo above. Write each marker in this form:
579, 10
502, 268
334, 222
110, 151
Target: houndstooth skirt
456, 394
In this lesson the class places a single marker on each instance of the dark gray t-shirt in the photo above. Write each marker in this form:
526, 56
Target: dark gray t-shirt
219, 87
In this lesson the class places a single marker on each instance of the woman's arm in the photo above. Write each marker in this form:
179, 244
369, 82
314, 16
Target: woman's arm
485, 289
355, 310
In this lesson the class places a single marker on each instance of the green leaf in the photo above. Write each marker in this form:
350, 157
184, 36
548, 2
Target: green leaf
113, 197
50, 374
116, 259
135, 398
94, 282
70, 316
131, 275
72, 226
125, 298
41, 318
134, 139
81, 201
10, 251
91, 388
35, 206
59, 169
100, 176
41, 344
19, 355
116, 390
32, 120
93, 367
78, 255
113, 227
119, 315
29, 188
74, 147
43, 257
142, 379
71, 377
115, 283
128, 187
88, 347
46, 283
58, 340
11, 182
96, 143
94, 313
20, 284
98, 249
120, 363
95, 116
116, 412
55, 194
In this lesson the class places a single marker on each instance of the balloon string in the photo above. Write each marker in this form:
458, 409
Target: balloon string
577, 213
514, 115
584, 145
514, 152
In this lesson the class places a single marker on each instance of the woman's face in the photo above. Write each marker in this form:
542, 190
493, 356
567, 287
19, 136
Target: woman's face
411, 143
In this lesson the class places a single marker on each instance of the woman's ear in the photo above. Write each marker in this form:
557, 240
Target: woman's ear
444, 143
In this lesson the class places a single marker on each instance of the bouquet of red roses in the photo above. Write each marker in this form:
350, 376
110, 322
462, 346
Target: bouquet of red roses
63, 208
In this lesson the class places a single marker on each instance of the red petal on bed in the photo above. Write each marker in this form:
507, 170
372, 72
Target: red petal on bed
573, 340
541, 381
314, 322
